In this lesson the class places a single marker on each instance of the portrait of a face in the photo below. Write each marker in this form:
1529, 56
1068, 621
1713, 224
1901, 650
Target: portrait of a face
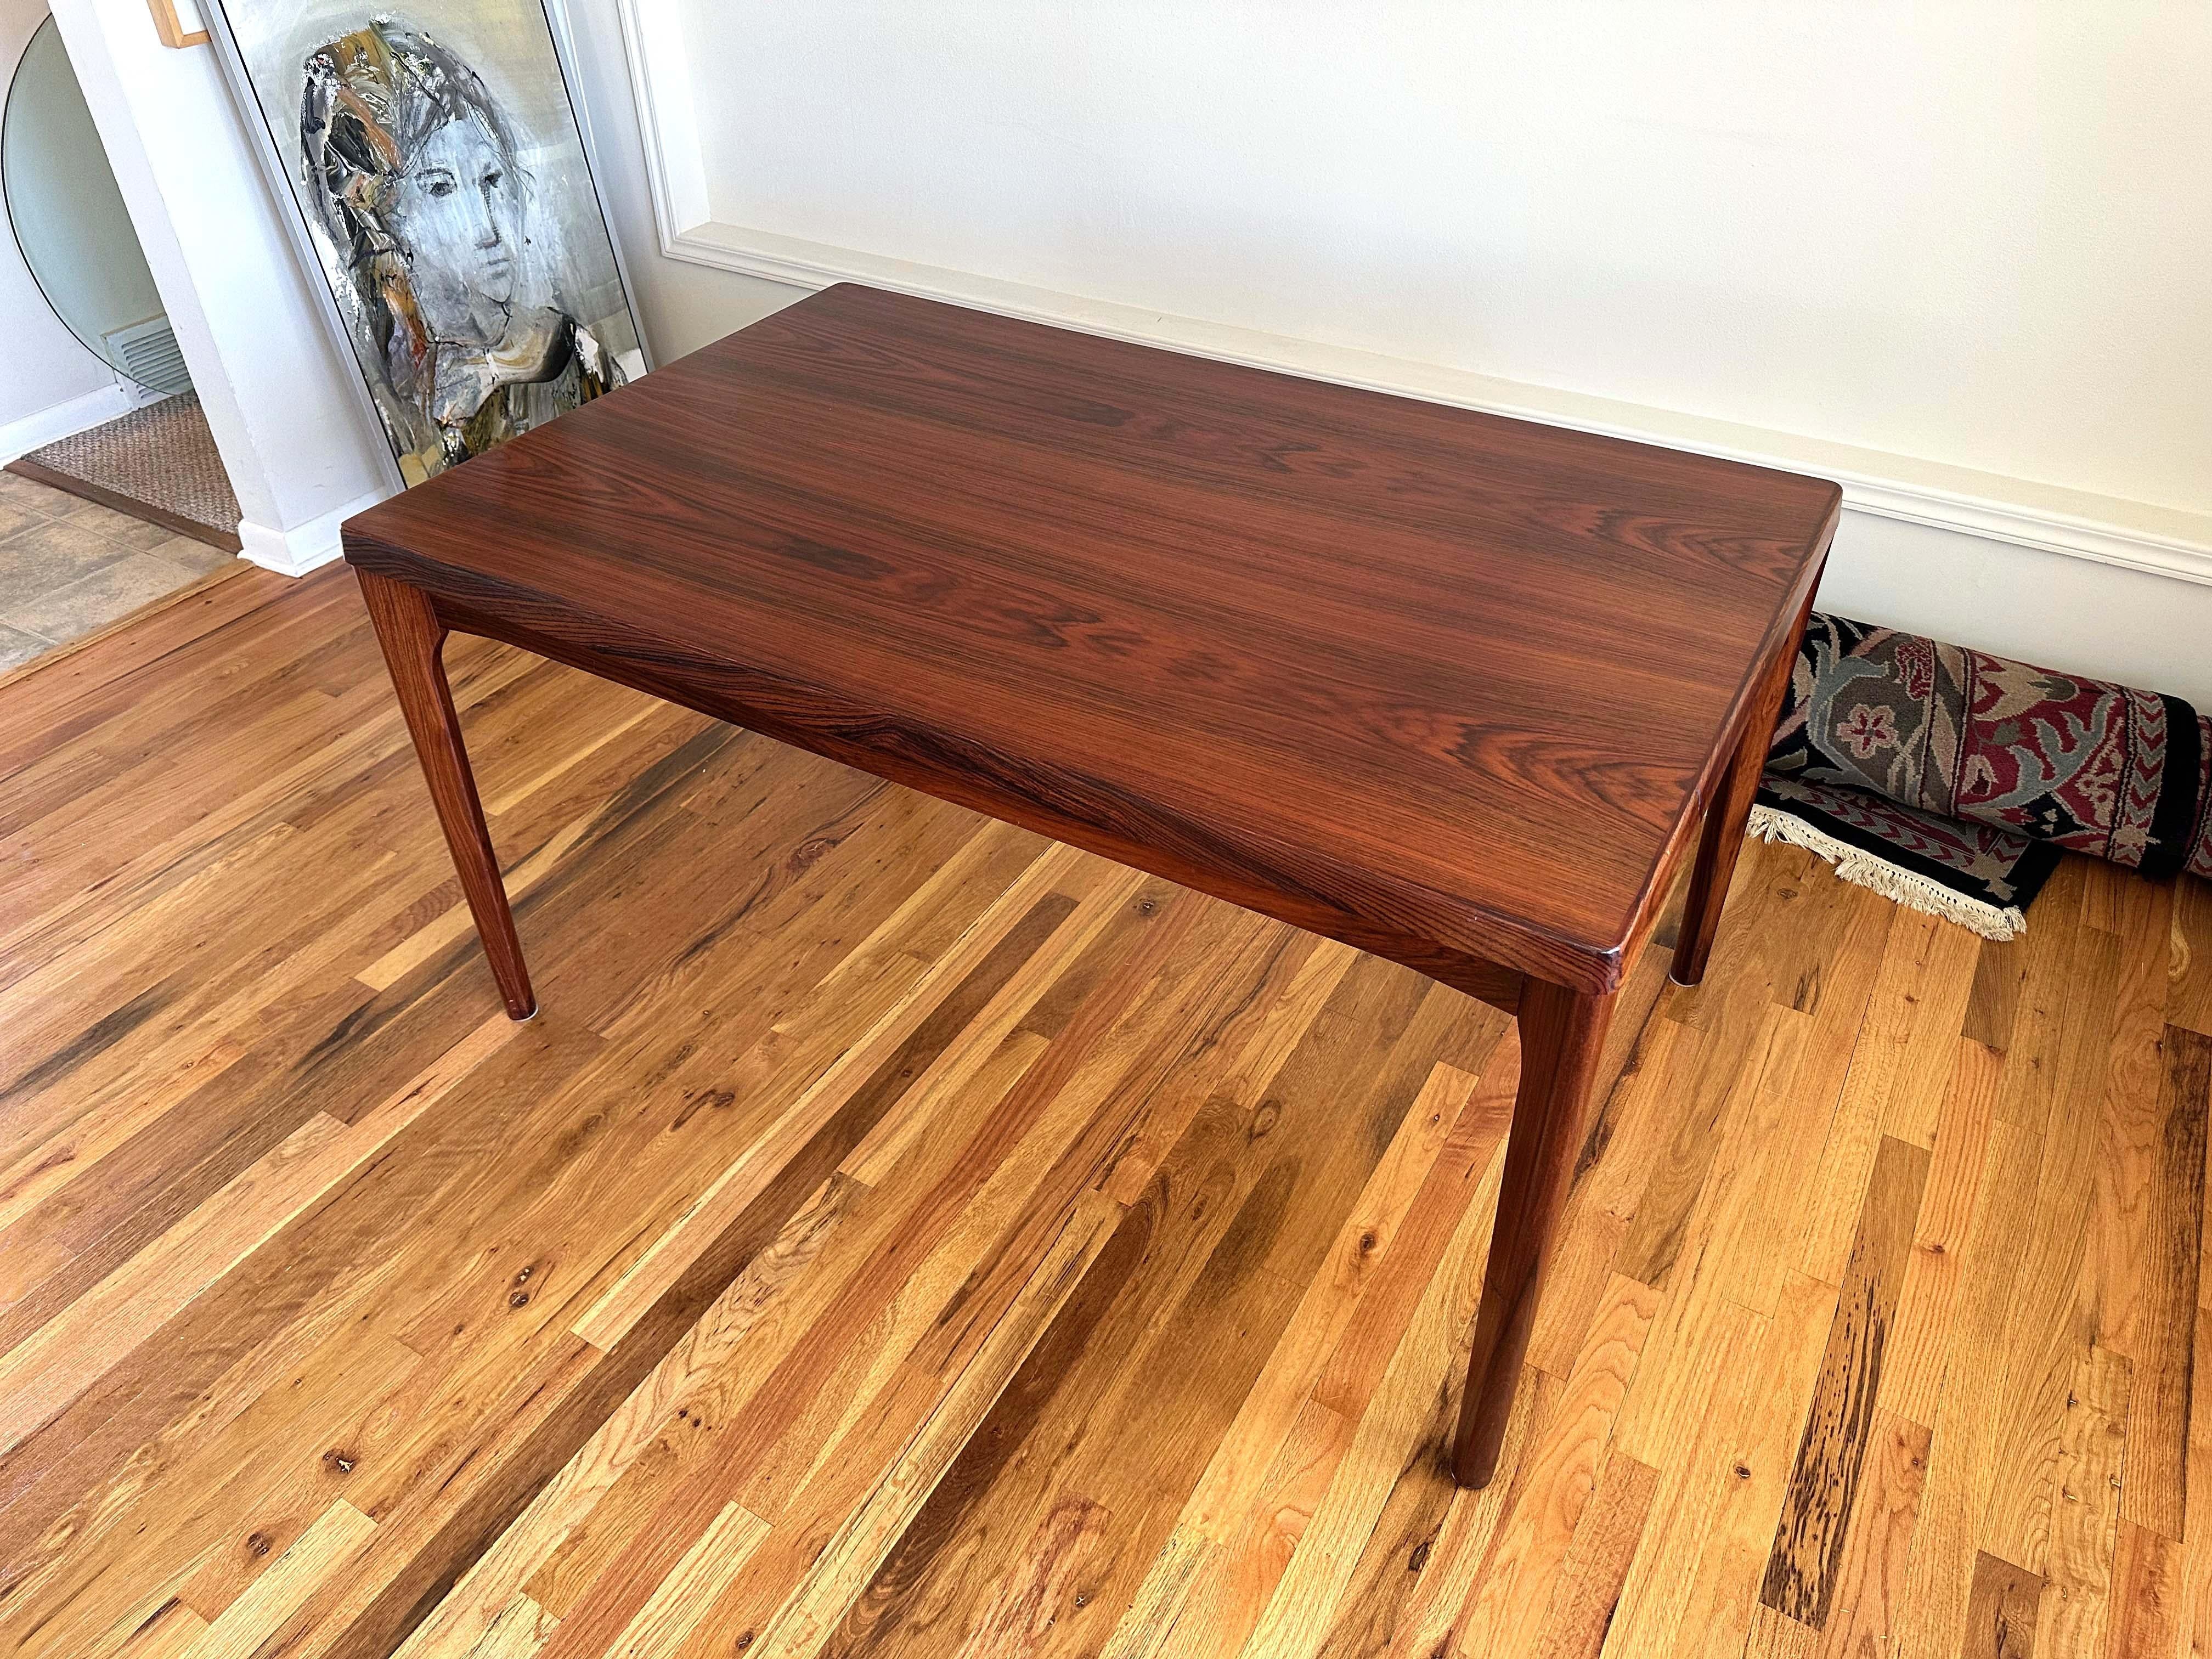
458, 211
461, 238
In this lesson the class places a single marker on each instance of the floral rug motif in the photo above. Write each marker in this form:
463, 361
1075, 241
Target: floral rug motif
1951, 779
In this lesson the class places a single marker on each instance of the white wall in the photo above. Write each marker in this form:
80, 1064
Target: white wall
1968, 232
1954, 255
301, 452
683, 304
51, 385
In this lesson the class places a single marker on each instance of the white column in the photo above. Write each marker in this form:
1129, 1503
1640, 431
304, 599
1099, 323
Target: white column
303, 452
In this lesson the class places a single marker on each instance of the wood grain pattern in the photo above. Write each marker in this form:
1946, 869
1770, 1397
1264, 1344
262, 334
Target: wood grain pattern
2085, 1519
2003, 1611
1371, 666
1721, 838
1562, 1037
2188, 959
1597, 1563
2163, 1290
1525, 1567
1971, 1422
2043, 1348
1824, 1488
2146, 1613
414, 642
1120, 1307
1755, 1470
1869, 1579
1927, 1298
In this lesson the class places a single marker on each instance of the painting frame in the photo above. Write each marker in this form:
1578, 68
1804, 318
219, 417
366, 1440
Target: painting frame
277, 159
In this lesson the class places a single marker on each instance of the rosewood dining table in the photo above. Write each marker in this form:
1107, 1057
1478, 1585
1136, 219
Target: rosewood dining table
1457, 690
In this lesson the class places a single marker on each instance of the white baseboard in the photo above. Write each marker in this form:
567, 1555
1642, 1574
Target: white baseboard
304, 547
46, 426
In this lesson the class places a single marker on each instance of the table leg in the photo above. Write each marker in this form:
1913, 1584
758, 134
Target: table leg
1722, 838
1562, 1034
1718, 846
413, 639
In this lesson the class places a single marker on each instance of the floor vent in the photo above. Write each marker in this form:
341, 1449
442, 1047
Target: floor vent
148, 353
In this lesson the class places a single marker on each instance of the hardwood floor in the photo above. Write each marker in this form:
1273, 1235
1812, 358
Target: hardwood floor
899, 1235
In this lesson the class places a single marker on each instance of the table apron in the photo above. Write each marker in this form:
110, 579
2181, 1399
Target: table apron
1488, 981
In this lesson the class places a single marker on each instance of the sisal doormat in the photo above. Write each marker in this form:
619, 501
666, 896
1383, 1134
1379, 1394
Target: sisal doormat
159, 464
1951, 779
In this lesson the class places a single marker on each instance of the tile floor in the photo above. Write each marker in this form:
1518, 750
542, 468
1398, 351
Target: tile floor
69, 567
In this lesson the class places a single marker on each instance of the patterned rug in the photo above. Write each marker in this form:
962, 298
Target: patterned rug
1951, 779
158, 463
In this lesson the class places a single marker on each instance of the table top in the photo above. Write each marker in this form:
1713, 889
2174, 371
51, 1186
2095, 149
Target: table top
1446, 685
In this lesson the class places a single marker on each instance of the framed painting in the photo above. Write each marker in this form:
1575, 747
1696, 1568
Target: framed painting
444, 194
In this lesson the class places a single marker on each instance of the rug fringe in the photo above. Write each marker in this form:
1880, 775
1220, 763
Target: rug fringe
1905, 887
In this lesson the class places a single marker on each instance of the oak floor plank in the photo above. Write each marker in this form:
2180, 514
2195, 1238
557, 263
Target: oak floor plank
1597, 1562
2047, 1330
2154, 1327
1686, 1496
1451, 1134
1912, 1370
2003, 1611
898, 1051
1869, 1577
1899, 1066
672, 1611
1397, 1450
1524, 1571
2189, 960
470, 1526
2086, 1516
1246, 1566
59, 1600
2149, 1164
1216, 1229
323, 1550
875, 1526
1968, 1434
2192, 1604
1273, 1464
2050, 970
1747, 1062
1776, 1635
1756, 1473
1808, 1556
44, 1373
678, 1391
2145, 1610
1698, 1089
1148, 990
1609, 1180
